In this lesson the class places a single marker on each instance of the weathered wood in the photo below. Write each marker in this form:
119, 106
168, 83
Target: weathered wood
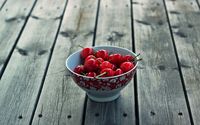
198, 3
62, 101
186, 31
113, 28
48, 10
2, 2
12, 18
160, 91
24, 73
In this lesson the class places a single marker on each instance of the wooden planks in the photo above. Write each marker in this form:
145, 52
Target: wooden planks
62, 101
160, 91
12, 19
184, 16
113, 28
24, 74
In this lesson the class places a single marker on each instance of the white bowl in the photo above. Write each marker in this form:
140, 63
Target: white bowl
101, 89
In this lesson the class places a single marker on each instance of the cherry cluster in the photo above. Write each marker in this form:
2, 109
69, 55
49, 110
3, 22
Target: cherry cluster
103, 64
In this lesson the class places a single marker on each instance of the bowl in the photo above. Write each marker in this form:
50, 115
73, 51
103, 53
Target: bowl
102, 89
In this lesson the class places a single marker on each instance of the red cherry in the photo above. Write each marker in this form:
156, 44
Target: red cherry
91, 74
86, 52
91, 65
100, 60
90, 57
131, 58
103, 54
107, 72
128, 58
126, 66
107, 64
115, 58
79, 69
118, 72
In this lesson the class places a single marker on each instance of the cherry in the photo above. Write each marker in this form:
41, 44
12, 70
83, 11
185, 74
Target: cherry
100, 60
91, 74
103, 54
90, 57
118, 71
100, 63
107, 72
86, 52
115, 58
126, 66
79, 69
128, 58
107, 64
91, 65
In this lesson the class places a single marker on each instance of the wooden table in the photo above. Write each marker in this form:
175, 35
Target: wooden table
36, 37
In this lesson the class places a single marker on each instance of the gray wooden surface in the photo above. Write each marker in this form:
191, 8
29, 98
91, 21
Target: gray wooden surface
62, 102
117, 33
2, 3
24, 73
36, 37
160, 91
12, 19
187, 40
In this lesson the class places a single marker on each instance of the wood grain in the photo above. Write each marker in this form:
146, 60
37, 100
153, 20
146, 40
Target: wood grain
113, 28
62, 101
160, 91
187, 35
24, 74
12, 19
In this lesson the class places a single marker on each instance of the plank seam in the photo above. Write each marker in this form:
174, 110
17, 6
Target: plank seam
135, 77
47, 66
96, 23
179, 66
198, 3
84, 110
16, 41
132, 26
3, 5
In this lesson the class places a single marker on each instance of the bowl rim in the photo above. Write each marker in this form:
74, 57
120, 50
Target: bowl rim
102, 78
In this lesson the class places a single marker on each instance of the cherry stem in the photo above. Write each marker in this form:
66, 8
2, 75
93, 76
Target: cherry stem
100, 75
137, 55
99, 61
80, 46
137, 60
83, 73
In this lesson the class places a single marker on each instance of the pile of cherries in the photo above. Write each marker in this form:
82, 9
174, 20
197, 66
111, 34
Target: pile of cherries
102, 64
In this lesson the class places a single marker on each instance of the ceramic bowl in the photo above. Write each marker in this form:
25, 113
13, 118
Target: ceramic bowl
102, 89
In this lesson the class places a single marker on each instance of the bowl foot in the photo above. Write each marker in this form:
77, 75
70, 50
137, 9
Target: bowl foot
104, 98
